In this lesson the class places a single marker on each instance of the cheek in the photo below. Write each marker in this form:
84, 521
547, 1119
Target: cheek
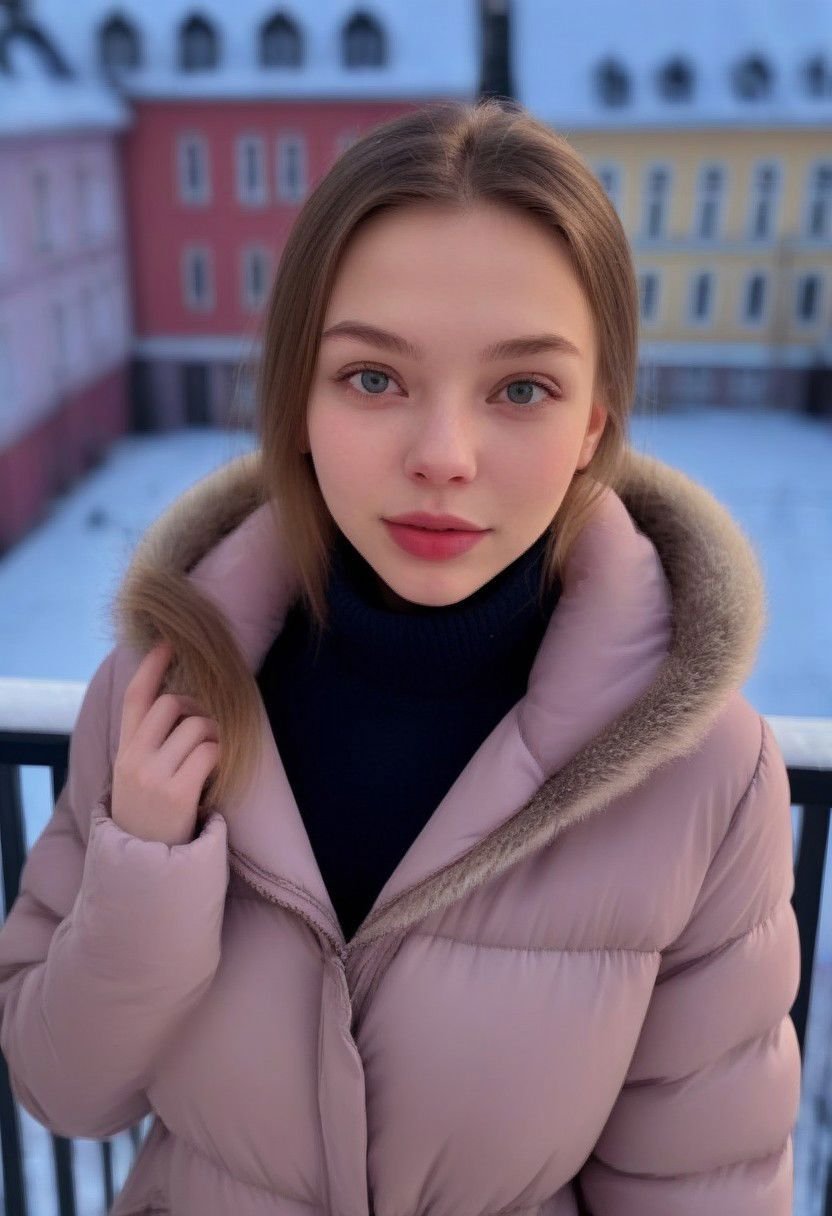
537, 474
340, 452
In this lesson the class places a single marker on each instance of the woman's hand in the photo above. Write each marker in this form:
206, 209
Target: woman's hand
159, 772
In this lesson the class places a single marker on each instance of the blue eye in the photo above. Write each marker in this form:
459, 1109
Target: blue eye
373, 374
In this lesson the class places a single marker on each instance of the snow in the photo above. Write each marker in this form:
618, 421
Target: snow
559, 60
770, 469
32, 101
433, 48
31, 107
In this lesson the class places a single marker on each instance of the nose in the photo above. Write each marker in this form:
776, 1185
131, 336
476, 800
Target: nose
442, 446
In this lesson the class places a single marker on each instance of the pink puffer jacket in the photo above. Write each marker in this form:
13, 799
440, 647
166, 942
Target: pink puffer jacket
572, 994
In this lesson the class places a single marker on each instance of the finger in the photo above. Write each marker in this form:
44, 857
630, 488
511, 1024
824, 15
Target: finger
196, 767
143, 689
189, 734
167, 712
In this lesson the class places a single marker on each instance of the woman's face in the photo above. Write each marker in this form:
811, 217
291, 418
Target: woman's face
440, 426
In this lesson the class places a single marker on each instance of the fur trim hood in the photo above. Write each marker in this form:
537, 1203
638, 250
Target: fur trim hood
662, 552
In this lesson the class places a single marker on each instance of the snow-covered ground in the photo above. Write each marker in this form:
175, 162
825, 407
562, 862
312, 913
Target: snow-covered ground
772, 471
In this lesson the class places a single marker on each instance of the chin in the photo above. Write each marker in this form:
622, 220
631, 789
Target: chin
437, 596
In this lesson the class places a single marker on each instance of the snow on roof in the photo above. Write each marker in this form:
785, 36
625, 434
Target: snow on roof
33, 99
556, 51
433, 47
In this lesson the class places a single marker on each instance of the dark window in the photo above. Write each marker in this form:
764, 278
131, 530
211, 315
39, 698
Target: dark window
613, 83
712, 183
762, 218
198, 45
817, 76
649, 286
119, 44
676, 80
198, 278
707, 218
755, 297
808, 297
762, 201
753, 78
658, 186
193, 167
196, 393
820, 202
364, 44
280, 43
255, 278
702, 296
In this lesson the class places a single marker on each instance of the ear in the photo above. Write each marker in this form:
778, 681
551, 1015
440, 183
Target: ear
594, 430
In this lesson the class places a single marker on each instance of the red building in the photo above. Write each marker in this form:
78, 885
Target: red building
236, 115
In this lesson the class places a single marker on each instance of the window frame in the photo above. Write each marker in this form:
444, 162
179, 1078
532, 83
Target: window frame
800, 279
756, 194
259, 197
190, 301
283, 140
744, 319
692, 320
201, 197
655, 318
248, 301
704, 196
647, 198
821, 162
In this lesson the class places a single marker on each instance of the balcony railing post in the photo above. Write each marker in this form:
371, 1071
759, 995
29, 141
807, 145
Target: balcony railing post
814, 832
36, 721
13, 843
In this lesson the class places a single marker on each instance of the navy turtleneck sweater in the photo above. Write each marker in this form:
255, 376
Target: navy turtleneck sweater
375, 726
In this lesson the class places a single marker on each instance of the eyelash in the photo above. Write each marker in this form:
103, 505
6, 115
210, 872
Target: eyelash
527, 409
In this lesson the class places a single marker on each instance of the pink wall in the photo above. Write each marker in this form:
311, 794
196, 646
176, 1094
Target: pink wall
58, 450
64, 303
64, 316
162, 224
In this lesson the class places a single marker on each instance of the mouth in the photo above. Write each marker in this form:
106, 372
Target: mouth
433, 544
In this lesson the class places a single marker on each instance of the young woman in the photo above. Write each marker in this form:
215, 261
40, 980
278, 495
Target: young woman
433, 866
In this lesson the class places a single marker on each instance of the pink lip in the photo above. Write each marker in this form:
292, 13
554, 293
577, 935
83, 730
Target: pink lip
431, 544
423, 519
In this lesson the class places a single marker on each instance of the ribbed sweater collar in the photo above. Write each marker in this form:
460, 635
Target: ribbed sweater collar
491, 635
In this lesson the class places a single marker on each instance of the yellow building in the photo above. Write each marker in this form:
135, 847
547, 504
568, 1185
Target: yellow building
719, 161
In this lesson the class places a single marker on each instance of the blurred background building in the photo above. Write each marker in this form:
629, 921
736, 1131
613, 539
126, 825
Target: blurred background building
153, 158
182, 139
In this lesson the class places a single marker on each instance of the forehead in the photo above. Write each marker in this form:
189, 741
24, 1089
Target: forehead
493, 270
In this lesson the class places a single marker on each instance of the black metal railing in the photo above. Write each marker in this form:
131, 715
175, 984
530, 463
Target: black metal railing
806, 746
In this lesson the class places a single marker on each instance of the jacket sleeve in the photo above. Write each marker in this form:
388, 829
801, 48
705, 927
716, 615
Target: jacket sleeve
108, 947
704, 1121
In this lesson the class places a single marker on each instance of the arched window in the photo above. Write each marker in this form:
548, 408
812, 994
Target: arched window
119, 45
753, 78
364, 44
675, 80
613, 83
280, 43
817, 76
199, 48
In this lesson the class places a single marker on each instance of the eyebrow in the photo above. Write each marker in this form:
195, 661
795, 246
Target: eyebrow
509, 348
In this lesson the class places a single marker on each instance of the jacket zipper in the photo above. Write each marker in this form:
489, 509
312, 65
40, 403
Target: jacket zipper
339, 949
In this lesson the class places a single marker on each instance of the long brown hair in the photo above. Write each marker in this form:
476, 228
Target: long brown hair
452, 153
